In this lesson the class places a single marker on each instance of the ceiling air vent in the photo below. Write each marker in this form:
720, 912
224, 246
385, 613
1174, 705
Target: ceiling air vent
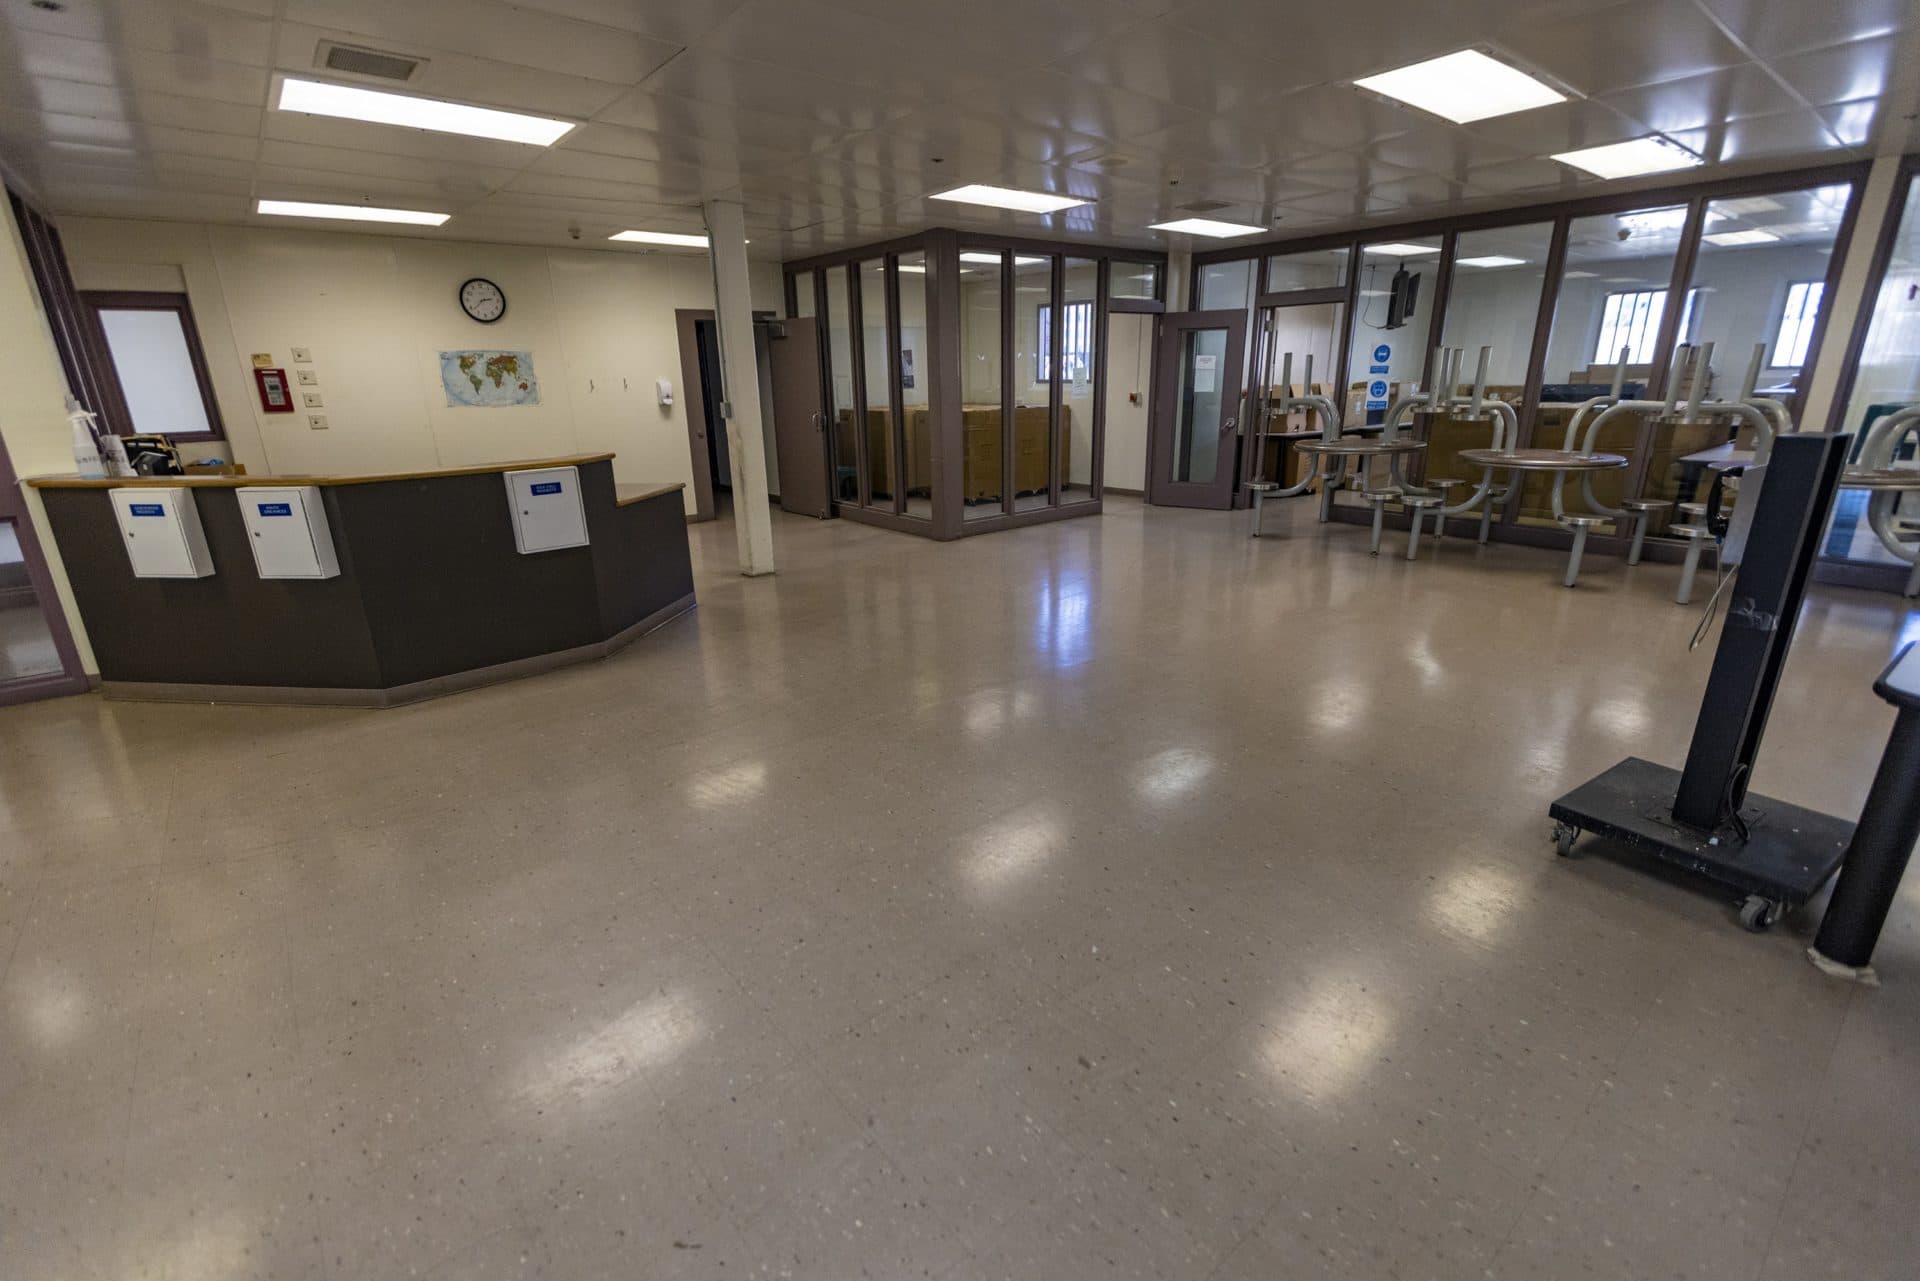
1204, 206
367, 62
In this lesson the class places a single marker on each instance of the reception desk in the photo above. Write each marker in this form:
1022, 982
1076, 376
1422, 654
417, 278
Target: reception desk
431, 595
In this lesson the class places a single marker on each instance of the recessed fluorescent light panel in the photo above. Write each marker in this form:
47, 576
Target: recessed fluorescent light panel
1394, 249
993, 260
1652, 154
1208, 227
1463, 86
349, 213
376, 107
677, 238
1491, 260
1733, 239
1007, 198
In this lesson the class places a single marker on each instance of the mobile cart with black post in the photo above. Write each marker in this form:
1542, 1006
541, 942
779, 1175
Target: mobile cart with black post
1774, 854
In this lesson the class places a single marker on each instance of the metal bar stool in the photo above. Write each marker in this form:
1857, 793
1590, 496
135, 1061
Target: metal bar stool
1418, 506
1259, 489
1581, 527
1379, 498
1699, 538
1643, 509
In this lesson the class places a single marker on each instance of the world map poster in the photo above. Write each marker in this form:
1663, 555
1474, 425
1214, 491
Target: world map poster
489, 379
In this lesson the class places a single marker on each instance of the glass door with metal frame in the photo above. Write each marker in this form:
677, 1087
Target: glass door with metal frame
37, 657
1193, 433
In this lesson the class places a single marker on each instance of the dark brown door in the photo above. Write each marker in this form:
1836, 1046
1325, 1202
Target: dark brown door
800, 419
1192, 437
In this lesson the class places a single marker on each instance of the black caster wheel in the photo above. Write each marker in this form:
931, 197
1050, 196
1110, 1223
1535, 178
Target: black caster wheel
1564, 835
1758, 915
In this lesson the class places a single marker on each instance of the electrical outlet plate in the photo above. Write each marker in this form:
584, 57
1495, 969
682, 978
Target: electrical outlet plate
311, 399
306, 377
317, 422
302, 355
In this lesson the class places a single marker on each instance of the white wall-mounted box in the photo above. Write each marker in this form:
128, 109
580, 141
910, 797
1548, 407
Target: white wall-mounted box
287, 529
545, 504
161, 531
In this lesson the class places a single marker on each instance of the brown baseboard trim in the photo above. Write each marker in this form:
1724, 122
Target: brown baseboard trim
399, 695
1129, 493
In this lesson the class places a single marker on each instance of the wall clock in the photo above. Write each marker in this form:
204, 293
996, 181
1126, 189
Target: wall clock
483, 300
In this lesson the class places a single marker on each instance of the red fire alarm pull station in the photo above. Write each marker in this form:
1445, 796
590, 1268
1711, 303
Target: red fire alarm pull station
274, 396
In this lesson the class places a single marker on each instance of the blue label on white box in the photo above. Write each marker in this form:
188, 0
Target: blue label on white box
276, 509
546, 487
146, 509
1377, 389
1379, 369
1382, 353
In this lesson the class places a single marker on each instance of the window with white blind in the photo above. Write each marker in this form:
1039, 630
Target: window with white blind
1632, 320
1076, 343
1796, 323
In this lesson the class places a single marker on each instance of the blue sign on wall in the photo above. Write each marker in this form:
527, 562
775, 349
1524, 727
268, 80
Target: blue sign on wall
275, 509
1382, 353
546, 487
1378, 369
1377, 388
146, 509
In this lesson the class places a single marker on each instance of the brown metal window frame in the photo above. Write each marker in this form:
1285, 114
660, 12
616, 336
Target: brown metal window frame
119, 416
942, 247
1695, 196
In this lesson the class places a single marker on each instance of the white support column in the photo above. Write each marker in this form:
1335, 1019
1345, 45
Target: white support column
733, 315
1853, 293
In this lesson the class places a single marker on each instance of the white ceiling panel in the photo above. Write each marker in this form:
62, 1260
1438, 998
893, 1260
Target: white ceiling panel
1842, 73
679, 22
320, 131
834, 119
323, 163
486, 82
672, 147
840, 45
155, 26
40, 57
1565, 126
1695, 102
497, 31
1168, 62
1598, 53
960, 138
1794, 132
764, 88
1770, 28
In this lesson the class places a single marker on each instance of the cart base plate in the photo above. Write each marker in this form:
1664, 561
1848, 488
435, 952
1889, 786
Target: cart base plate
1790, 853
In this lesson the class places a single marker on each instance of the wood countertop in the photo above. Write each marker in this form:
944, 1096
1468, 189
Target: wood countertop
626, 494
238, 482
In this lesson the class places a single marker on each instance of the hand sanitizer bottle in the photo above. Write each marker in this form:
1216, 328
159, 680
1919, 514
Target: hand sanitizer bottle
86, 450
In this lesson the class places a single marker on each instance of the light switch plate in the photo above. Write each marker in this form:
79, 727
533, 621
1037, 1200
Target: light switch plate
317, 422
306, 377
302, 355
311, 399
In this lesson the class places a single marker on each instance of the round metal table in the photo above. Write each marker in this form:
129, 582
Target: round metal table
1541, 460
1897, 479
1364, 450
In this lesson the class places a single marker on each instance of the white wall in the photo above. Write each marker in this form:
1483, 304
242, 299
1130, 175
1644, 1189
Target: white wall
377, 311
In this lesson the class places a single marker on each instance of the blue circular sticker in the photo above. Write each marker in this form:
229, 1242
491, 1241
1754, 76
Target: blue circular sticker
1381, 353
1376, 389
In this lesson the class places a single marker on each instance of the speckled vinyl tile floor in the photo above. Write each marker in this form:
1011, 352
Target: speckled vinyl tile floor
1116, 898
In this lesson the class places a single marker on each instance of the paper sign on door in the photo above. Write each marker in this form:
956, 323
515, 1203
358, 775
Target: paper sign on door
1205, 373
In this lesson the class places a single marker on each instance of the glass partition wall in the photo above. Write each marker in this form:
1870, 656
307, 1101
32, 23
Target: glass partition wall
1886, 379
998, 366
1559, 293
